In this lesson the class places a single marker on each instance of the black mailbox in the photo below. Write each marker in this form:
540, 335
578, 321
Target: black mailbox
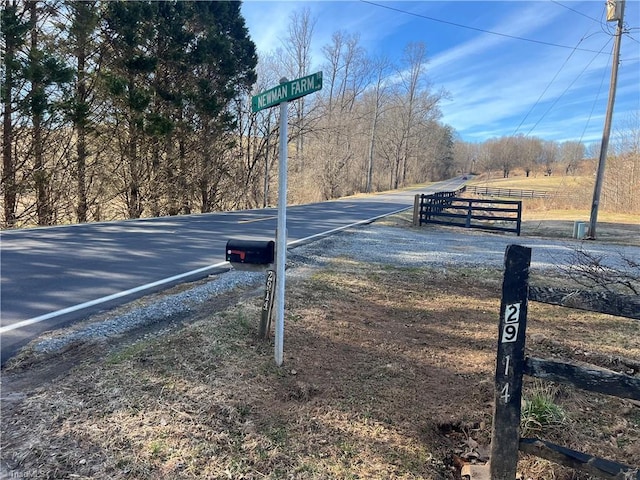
253, 252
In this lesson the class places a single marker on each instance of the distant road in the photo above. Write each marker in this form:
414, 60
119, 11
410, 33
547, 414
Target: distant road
55, 275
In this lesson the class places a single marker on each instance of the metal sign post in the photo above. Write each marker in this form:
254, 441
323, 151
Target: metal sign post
282, 95
281, 240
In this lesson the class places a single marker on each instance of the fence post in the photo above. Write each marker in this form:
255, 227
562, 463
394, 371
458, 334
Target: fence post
510, 362
416, 211
519, 222
426, 208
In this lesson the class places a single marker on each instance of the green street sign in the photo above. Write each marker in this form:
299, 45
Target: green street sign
285, 92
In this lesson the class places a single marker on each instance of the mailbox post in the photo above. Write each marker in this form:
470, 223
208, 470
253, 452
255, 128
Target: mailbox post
256, 255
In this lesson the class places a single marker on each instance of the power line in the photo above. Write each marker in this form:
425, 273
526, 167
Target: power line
632, 39
576, 11
565, 91
595, 101
543, 92
551, 83
459, 25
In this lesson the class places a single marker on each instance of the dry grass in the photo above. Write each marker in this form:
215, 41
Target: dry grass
566, 193
388, 374
536, 182
555, 215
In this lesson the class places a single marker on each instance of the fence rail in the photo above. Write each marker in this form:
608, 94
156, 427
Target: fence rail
510, 192
512, 365
445, 208
602, 302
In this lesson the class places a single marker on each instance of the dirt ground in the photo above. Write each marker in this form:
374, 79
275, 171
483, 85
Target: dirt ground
388, 373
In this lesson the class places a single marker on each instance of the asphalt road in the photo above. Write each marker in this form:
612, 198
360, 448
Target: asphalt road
53, 276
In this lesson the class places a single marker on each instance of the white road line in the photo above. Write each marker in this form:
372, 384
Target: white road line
329, 232
258, 219
108, 298
148, 286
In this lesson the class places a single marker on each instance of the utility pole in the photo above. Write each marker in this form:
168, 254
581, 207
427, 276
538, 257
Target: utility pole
615, 11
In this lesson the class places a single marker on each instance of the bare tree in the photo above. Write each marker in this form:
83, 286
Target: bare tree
548, 157
264, 136
466, 156
504, 154
530, 149
392, 141
570, 155
297, 61
618, 274
620, 190
339, 131
414, 59
381, 68
418, 107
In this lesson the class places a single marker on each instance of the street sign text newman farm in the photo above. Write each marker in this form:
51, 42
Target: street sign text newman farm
285, 92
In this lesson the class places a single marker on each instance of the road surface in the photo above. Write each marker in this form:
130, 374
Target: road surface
56, 275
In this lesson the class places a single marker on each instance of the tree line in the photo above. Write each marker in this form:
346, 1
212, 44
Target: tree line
534, 156
119, 109
115, 109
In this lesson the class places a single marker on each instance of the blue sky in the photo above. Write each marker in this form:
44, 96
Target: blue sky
498, 85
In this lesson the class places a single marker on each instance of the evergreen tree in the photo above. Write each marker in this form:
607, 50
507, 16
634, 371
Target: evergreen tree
173, 72
128, 72
224, 60
46, 74
83, 20
14, 27
444, 156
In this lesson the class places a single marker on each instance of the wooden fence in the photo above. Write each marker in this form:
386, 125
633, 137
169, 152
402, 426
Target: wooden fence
445, 208
512, 365
510, 192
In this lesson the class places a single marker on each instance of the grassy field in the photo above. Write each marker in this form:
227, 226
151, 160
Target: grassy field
555, 216
539, 182
388, 374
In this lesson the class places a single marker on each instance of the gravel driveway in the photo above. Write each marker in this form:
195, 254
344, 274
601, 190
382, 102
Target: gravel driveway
449, 246
428, 246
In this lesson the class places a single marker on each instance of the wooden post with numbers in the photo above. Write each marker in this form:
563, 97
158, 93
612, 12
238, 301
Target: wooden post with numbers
505, 435
267, 305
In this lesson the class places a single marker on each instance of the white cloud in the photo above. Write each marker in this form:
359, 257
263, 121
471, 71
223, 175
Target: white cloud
267, 22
